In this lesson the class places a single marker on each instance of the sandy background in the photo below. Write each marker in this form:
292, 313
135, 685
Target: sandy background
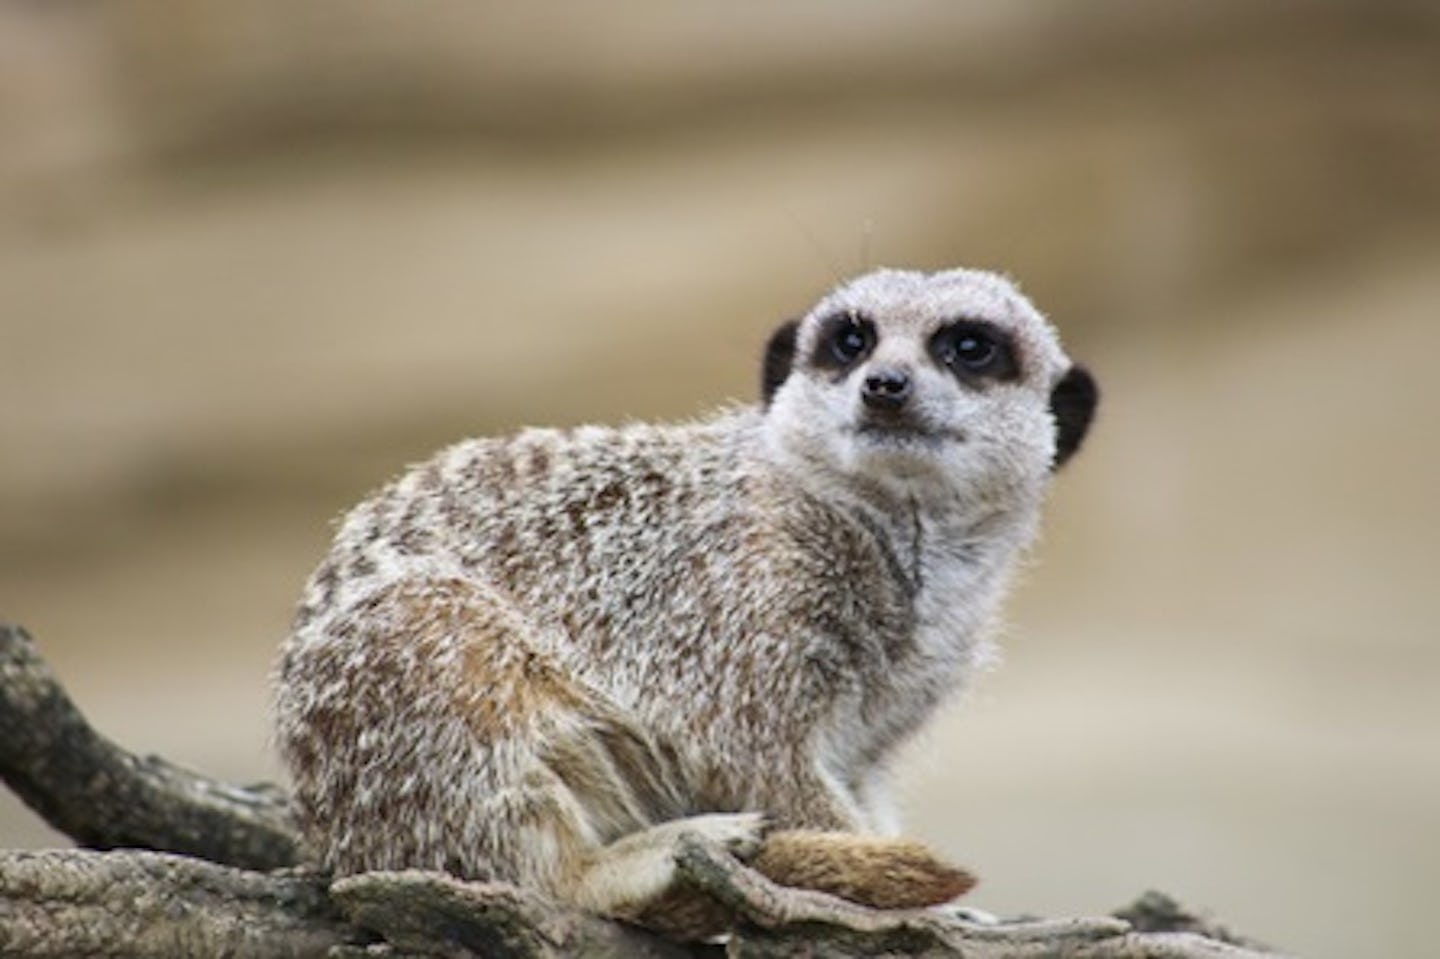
256, 257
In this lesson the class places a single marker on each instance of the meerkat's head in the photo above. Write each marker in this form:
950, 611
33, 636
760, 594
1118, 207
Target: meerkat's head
950, 378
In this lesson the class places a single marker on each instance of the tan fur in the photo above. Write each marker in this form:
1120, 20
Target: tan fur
543, 658
871, 870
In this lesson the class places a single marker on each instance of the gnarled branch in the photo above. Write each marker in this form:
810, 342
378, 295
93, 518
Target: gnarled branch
106, 798
77, 902
782, 920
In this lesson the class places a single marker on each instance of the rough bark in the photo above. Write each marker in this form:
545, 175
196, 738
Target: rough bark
430, 912
782, 922
78, 902
194, 880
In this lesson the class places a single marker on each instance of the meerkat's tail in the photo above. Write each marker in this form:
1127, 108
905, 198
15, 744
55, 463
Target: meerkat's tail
872, 870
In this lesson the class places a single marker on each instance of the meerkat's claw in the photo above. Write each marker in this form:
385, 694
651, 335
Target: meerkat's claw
740, 834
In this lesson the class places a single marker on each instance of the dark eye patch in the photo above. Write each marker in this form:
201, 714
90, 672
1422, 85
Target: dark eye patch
976, 350
845, 340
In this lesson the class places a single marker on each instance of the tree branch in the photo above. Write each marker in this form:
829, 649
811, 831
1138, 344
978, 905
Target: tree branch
203, 893
787, 922
433, 913
72, 902
106, 798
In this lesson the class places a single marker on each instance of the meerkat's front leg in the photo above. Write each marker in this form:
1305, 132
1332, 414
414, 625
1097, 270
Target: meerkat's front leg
636, 877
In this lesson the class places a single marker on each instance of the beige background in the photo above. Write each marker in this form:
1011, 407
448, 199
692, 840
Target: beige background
256, 257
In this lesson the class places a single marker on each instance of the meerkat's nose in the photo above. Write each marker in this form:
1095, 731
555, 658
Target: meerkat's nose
886, 389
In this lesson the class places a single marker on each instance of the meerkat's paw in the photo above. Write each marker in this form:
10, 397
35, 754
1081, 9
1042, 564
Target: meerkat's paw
631, 872
634, 878
871, 870
740, 833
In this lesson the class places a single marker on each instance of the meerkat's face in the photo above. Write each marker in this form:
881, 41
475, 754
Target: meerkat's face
951, 377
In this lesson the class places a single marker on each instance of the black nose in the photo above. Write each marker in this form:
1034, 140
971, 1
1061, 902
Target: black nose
886, 389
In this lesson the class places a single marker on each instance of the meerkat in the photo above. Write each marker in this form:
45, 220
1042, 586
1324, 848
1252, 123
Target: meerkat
544, 658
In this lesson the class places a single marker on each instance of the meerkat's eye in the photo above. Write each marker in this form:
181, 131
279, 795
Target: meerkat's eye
850, 340
844, 339
974, 348
974, 351
966, 351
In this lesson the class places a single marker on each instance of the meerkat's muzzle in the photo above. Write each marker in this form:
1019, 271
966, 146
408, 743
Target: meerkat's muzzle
886, 390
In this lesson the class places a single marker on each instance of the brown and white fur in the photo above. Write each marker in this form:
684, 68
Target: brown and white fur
543, 658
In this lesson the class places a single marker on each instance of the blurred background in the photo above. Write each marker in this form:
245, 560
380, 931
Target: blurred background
255, 258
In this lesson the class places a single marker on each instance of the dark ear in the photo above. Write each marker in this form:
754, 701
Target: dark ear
779, 357
1072, 403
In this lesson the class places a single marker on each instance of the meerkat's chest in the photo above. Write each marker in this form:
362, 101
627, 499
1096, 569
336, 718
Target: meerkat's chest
957, 584
956, 573
961, 582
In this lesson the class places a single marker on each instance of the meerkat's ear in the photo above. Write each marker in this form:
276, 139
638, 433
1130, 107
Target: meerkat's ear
779, 358
1072, 402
